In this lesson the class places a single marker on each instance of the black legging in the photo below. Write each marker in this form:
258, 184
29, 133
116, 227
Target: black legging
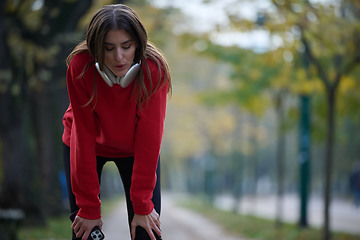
125, 167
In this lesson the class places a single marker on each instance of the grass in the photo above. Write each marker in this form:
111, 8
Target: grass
58, 228
256, 228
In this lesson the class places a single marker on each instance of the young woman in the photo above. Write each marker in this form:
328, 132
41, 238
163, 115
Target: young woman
118, 84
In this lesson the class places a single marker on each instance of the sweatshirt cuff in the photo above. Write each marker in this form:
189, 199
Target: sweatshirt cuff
142, 208
90, 212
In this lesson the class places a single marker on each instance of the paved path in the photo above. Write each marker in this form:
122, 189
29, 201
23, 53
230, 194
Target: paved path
344, 216
182, 224
177, 224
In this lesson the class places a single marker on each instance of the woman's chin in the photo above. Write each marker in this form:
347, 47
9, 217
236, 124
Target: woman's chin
120, 73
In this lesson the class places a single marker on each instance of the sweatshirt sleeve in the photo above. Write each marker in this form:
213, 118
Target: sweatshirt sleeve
148, 137
84, 178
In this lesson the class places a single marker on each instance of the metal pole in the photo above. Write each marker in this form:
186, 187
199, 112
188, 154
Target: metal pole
304, 158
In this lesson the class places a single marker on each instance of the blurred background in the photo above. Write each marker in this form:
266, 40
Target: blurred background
265, 103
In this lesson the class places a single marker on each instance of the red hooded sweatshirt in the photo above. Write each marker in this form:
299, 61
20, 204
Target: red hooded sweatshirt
112, 126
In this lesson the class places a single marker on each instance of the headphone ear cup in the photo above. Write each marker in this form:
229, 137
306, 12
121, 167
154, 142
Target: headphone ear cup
125, 81
130, 75
104, 75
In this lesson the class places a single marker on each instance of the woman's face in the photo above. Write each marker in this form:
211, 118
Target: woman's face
119, 51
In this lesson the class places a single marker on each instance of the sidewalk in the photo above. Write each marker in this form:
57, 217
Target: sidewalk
177, 224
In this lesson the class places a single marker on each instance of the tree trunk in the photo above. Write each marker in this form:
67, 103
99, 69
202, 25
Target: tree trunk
18, 184
328, 161
44, 121
280, 160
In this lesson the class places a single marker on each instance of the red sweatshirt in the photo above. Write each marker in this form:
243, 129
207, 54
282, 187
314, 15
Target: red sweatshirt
111, 126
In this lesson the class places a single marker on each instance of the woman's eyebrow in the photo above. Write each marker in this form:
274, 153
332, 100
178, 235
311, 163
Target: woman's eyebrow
127, 41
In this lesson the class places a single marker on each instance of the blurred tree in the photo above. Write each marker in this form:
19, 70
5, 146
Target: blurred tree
329, 35
261, 80
36, 36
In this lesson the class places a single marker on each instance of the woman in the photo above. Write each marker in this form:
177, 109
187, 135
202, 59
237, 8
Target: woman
115, 118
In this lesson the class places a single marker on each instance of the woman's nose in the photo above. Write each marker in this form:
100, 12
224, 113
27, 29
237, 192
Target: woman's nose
119, 55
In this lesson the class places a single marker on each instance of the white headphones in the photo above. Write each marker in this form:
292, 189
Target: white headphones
110, 78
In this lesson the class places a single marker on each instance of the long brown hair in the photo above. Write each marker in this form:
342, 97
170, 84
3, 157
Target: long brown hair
122, 17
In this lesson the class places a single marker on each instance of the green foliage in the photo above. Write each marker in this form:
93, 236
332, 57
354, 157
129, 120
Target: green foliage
330, 32
157, 21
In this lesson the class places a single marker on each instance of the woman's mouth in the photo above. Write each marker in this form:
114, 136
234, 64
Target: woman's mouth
120, 67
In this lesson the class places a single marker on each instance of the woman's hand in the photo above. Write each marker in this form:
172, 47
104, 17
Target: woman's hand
82, 227
148, 222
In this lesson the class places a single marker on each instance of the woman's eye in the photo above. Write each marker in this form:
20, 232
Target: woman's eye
126, 47
108, 49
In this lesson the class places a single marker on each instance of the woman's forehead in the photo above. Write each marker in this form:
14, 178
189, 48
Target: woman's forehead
117, 36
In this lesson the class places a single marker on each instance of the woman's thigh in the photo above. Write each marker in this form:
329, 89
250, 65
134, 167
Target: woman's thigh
125, 167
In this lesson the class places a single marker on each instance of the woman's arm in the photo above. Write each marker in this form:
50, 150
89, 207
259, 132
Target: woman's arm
84, 178
148, 137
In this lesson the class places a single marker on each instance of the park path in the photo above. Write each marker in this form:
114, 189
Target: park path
344, 216
177, 224
183, 224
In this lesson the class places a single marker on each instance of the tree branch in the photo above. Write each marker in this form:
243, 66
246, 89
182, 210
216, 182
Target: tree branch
313, 60
356, 57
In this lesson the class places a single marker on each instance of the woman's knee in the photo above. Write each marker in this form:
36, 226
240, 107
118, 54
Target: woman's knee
141, 234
